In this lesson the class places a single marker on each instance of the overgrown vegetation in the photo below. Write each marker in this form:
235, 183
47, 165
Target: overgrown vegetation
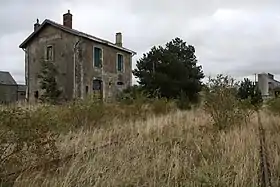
249, 91
141, 140
124, 144
223, 105
146, 137
48, 83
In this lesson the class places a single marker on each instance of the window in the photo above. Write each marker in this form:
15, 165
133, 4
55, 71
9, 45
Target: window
97, 57
49, 54
120, 63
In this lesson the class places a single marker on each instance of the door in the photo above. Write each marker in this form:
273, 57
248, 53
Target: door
97, 88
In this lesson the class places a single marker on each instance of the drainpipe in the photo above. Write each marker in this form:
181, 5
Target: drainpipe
74, 83
26, 78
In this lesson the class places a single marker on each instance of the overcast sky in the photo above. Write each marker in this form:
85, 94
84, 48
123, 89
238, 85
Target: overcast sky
236, 37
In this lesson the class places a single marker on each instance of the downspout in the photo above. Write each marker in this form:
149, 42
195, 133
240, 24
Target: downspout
26, 76
74, 70
131, 75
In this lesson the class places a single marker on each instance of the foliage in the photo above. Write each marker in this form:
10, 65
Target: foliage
221, 103
132, 94
170, 70
25, 138
249, 90
273, 105
48, 82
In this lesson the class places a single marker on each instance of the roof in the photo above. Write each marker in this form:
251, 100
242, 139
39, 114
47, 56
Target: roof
6, 78
21, 88
74, 32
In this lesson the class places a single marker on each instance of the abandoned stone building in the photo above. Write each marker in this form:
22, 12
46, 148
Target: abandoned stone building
86, 64
269, 87
10, 91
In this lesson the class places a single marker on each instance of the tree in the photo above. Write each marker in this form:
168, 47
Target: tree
172, 71
249, 90
48, 83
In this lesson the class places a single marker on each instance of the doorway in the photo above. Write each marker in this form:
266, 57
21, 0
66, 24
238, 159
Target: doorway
97, 88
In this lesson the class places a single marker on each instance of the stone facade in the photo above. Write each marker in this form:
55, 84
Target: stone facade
73, 55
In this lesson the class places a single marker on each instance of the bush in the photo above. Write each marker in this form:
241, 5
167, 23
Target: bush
221, 103
25, 138
183, 102
273, 105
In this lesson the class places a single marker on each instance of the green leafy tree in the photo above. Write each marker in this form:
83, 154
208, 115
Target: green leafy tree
249, 90
48, 83
171, 71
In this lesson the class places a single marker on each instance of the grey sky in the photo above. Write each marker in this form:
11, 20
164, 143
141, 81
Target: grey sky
236, 37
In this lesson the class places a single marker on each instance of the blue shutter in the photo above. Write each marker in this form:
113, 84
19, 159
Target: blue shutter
97, 57
120, 62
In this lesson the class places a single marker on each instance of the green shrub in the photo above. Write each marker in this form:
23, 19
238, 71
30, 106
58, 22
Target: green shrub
222, 105
183, 102
273, 105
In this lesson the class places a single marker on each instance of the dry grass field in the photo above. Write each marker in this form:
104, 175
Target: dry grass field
159, 147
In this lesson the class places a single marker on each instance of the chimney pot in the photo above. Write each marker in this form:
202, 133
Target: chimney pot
67, 19
36, 25
119, 39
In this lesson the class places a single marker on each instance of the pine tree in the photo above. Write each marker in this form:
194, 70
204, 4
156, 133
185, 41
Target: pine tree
171, 70
48, 83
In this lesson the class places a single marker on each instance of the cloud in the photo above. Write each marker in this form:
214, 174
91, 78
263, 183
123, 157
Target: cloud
235, 37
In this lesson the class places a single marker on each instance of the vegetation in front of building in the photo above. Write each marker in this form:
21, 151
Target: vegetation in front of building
167, 131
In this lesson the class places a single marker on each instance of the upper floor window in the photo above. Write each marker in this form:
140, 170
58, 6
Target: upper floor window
97, 57
49, 53
120, 64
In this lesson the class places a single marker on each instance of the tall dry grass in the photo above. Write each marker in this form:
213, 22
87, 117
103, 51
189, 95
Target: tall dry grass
177, 149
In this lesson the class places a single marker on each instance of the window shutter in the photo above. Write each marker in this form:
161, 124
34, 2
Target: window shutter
96, 57
100, 58
120, 62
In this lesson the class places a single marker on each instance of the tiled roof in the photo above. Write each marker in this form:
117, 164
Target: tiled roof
74, 32
6, 78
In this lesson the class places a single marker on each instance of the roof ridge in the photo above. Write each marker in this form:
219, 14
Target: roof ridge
75, 32
78, 31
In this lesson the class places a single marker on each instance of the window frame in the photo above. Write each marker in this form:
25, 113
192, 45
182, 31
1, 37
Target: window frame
93, 59
52, 51
117, 63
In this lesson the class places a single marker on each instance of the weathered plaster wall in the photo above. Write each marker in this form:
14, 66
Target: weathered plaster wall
108, 73
63, 46
71, 51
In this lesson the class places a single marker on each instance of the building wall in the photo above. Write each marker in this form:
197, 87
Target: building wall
63, 44
263, 84
8, 93
65, 57
21, 95
108, 73
267, 84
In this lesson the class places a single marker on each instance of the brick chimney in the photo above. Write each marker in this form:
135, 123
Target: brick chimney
67, 19
119, 39
36, 25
